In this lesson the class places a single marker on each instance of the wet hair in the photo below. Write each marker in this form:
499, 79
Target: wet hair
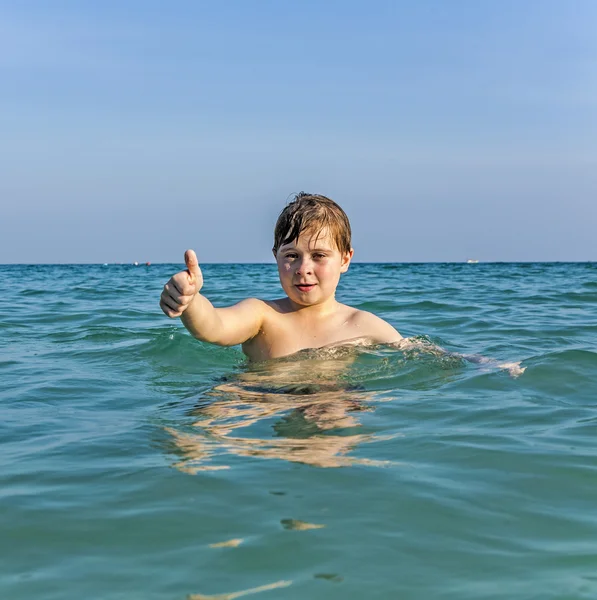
312, 213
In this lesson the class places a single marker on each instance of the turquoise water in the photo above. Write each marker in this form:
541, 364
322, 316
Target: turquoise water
138, 463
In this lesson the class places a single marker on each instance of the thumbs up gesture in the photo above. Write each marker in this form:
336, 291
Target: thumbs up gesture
180, 290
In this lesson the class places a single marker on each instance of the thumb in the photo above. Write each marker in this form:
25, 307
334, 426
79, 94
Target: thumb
190, 259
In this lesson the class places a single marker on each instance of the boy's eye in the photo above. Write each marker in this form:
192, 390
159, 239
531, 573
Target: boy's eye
319, 255
291, 255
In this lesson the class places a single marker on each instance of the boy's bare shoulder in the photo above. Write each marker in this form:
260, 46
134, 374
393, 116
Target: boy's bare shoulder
281, 305
263, 307
249, 305
374, 327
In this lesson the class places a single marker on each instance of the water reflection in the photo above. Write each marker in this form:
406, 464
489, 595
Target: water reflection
247, 592
307, 408
303, 409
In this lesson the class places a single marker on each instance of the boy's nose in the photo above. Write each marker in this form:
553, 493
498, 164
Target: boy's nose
304, 268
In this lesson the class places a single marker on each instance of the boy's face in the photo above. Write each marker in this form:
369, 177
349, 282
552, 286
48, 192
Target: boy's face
310, 267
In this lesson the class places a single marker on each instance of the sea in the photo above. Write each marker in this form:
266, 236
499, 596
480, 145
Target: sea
137, 463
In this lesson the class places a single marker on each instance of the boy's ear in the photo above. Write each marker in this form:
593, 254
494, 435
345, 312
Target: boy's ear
346, 258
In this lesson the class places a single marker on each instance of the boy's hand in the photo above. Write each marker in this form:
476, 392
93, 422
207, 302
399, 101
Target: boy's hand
182, 288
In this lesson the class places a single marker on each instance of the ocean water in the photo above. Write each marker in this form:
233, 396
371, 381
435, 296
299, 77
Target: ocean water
138, 463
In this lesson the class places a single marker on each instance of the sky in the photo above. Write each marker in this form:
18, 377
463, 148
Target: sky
132, 130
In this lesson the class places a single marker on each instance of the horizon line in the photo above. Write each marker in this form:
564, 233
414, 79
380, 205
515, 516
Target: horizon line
384, 262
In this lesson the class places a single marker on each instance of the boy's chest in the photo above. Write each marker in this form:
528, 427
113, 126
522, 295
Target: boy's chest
284, 335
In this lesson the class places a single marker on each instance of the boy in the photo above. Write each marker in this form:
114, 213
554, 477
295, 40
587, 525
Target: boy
312, 247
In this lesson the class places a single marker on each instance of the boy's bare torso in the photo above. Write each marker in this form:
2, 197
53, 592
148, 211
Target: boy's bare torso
285, 330
308, 317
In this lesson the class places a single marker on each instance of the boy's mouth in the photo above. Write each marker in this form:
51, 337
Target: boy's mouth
305, 287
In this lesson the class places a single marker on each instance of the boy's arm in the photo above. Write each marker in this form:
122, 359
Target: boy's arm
224, 326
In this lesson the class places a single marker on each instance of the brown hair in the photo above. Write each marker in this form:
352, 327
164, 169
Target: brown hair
312, 212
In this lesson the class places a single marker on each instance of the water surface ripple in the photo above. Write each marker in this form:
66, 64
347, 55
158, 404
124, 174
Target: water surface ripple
138, 463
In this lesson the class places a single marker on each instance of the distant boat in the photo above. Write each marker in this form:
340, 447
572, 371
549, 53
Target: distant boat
472, 261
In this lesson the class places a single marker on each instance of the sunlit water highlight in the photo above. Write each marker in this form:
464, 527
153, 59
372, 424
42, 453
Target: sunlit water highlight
140, 463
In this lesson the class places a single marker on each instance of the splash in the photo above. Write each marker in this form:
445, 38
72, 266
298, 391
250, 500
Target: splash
309, 407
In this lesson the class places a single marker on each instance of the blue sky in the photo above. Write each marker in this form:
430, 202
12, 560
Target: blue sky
447, 130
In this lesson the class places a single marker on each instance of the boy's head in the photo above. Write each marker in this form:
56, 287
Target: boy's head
312, 248
312, 213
